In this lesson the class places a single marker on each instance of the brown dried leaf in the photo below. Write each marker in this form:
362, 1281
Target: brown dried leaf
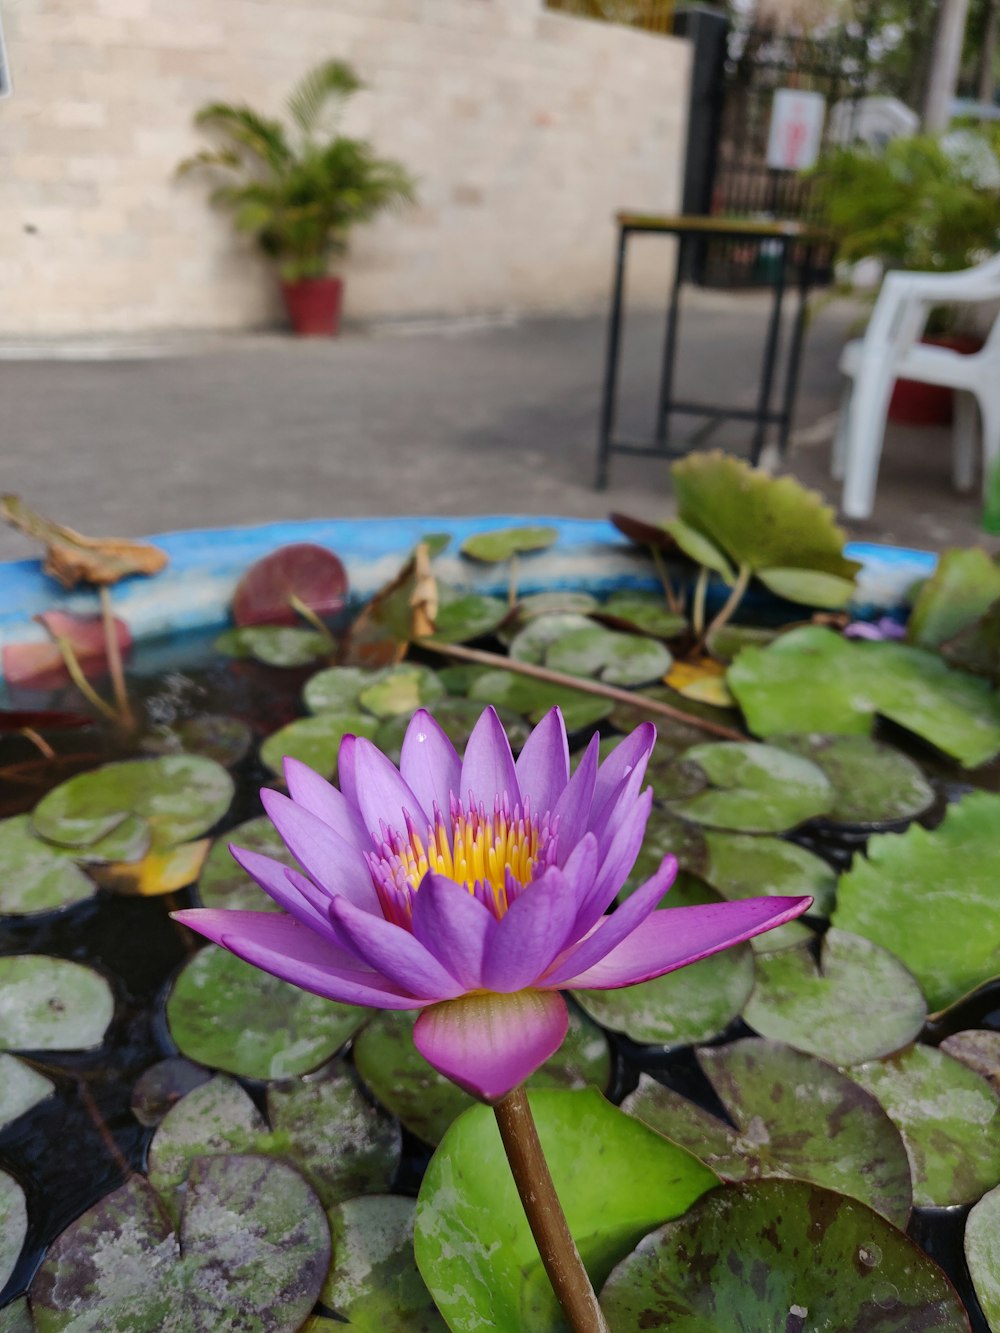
72, 558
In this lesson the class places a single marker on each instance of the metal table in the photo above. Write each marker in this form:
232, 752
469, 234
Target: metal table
796, 246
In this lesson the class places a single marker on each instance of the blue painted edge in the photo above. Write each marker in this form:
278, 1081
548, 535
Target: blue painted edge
195, 589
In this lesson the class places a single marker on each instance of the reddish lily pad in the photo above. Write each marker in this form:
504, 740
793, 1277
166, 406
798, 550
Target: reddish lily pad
42, 666
303, 571
162, 1086
251, 1253
800, 1257
978, 1048
795, 1117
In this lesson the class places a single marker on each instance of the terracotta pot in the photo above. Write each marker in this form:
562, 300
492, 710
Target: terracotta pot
916, 404
313, 306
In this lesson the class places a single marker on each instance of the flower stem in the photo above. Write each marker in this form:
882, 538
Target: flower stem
302, 609
698, 609
673, 601
732, 601
545, 1215
115, 659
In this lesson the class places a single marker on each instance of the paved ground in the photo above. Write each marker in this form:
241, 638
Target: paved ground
137, 437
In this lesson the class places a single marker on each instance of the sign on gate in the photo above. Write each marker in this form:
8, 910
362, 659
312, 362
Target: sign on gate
796, 129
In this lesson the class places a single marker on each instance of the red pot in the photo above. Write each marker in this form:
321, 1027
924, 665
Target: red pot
313, 306
916, 404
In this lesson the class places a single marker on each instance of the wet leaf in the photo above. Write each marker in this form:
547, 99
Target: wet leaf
697, 547
959, 591
42, 666
16, 1317
51, 1004
949, 1118
603, 654
980, 1050
560, 601
531, 643
230, 1016
72, 558
977, 647
873, 783
373, 1280
645, 612
427, 1103
703, 680
36, 876
614, 1177
742, 866
304, 571
794, 1116
21, 1088
251, 1253
502, 543
754, 788
337, 689
812, 679
225, 884
933, 897
180, 795
315, 740
534, 698
462, 616
982, 1253
726, 642
274, 645
227, 740
13, 1225
162, 1086
859, 1003
162, 870
401, 689
798, 1256
810, 587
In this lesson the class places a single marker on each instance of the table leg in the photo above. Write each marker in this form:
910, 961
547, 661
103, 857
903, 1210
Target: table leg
670, 349
795, 351
611, 367
770, 355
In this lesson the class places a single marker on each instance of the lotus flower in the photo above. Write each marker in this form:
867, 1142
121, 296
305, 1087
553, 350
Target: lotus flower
474, 889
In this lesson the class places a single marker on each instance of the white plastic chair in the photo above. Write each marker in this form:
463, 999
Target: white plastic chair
892, 348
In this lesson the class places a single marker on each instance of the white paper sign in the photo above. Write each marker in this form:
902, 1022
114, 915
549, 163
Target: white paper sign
5, 88
793, 142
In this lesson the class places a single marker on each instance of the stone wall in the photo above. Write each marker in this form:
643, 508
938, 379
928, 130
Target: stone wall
527, 129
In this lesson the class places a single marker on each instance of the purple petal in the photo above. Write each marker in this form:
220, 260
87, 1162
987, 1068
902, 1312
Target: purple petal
322, 853
617, 864
611, 930
573, 807
615, 801
394, 952
452, 925
488, 1044
543, 765
532, 934
322, 799
381, 792
346, 752
488, 767
429, 763
675, 936
272, 877
278, 945
630, 755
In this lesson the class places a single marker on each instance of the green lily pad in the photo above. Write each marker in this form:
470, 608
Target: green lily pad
932, 897
873, 783
225, 884
457, 718
251, 1252
230, 1016
963, 585
812, 679
810, 587
534, 698
858, 1004
16, 1317
560, 601
780, 1255
275, 645
51, 1004
949, 1118
427, 1103
315, 740
127, 842
13, 1225
462, 616
373, 1280
692, 1004
337, 689
615, 1179
401, 689
36, 876
755, 788
976, 648
645, 612
531, 643
603, 654
794, 1116
181, 796
21, 1088
982, 1253
728, 641
978, 1048
324, 1128
740, 865
227, 740
696, 545
503, 543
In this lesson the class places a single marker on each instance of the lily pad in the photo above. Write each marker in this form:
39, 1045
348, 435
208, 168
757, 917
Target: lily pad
324, 1128
225, 884
161, 1087
978, 1048
703, 680
373, 1280
742, 866
645, 612
13, 1225
755, 788
503, 543
560, 601
692, 1004
251, 1253
227, 740
615, 1179
873, 783
793, 1116
857, 1004
699, 548
982, 1253
36, 876
161, 870
180, 795
534, 698
949, 1118
275, 645
16, 1317
728, 641
963, 585
603, 654
462, 616
315, 740
427, 1103
230, 1016
301, 571
337, 689
932, 897
977, 647
51, 1004
798, 1256
401, 689
21, 1088
812, 679
531, 643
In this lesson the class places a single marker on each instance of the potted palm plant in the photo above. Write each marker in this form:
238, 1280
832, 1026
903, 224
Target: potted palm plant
299, 188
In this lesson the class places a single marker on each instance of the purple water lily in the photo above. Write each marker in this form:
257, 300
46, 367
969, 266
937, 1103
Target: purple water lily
474, 889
